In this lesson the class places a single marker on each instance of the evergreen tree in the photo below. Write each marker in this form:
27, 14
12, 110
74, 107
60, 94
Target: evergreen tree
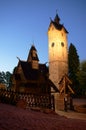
5, 78
2, 77
74, 63
82, 78
8, 78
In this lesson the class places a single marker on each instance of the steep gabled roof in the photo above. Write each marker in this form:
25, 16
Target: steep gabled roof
33, 74
29, 73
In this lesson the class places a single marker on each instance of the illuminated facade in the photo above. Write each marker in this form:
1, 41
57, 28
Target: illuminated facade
58, 50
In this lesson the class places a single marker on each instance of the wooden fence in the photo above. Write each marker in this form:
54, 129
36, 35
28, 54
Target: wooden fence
32, 100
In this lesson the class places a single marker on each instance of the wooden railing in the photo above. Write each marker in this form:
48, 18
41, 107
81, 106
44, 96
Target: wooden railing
32, 100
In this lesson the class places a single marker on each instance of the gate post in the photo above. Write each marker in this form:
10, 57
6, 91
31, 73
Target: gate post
59, 101
56, 101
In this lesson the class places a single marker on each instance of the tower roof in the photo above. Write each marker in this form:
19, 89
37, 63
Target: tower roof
56, 23
57, 19
33, 48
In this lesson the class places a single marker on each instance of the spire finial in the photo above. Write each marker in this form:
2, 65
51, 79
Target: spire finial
56, 11
18, 58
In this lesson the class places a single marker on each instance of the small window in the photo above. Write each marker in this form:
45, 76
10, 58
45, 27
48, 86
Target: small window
53, 44
62, 44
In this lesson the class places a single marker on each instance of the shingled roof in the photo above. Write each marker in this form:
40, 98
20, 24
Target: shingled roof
33, 74
56, 23
59, 26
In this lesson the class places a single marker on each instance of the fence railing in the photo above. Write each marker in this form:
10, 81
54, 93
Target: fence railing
32, 100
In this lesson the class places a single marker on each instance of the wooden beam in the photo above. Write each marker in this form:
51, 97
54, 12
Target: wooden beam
70, 89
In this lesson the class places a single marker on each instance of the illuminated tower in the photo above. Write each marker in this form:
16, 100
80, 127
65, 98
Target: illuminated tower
58, 50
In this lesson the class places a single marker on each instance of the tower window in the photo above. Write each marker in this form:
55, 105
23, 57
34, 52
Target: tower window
62, 44
52, 45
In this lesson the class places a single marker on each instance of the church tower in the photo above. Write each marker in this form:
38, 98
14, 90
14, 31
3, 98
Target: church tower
58, 50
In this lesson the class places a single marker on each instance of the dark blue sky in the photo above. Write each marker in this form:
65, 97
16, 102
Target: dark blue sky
24, 22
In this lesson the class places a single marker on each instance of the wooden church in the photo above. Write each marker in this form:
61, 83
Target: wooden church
32, 77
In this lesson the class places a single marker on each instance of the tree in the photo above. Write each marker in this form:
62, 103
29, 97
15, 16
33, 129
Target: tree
82, 78
74, 64
2, 77
8, 78
5, 78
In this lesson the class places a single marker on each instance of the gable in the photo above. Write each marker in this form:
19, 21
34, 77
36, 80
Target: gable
19, 75
65, 84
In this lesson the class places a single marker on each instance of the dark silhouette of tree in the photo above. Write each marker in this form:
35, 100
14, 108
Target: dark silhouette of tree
74, 63
5, 78
82, 78
2, 77
8, 78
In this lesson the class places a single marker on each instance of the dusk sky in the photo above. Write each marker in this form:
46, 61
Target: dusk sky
26, 22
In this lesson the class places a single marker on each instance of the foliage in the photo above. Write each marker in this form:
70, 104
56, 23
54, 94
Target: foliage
2, 77
5, 78
74, 63
82, 78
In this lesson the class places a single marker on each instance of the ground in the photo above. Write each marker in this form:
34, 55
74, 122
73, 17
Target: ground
14, 118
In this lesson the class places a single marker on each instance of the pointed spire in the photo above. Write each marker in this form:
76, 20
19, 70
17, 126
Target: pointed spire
18, 58
56, 19
33, 48
32, 54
